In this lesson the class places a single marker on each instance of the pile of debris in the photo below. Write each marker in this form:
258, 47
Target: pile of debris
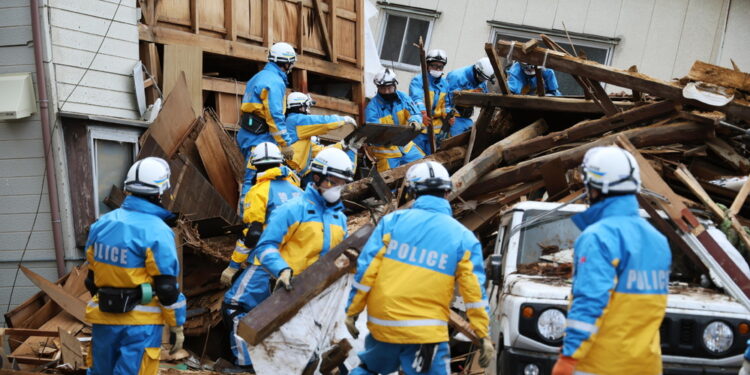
689, 138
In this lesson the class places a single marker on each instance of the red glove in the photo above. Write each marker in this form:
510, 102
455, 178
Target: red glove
426, 120
564, 366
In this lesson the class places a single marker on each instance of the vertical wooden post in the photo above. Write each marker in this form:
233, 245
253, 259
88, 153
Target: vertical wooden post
194, 16
267, 23
360, 39
300, 27
332, 28
229, 22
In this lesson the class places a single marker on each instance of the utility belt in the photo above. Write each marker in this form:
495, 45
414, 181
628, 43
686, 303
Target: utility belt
122, 300
253, 123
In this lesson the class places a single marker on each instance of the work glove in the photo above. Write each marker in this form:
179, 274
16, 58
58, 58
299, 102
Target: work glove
426, 119
355, 143
745, 370
350, 120
285, 279
288, 152
351, 325
564, 366
486, 352
179, 338
416, 126
227, 275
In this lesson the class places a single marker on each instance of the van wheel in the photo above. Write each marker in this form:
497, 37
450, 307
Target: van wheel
503, 362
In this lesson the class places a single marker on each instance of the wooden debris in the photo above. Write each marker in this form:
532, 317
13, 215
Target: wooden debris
532, 103
67, 301
216, 162
71, 349
729, 78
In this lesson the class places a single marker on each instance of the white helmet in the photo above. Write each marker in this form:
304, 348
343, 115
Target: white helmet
266, 153
385, 78
483, 69
611, 170
428, 176
333, 162
299, 99
149, 176
438, 55
282, 53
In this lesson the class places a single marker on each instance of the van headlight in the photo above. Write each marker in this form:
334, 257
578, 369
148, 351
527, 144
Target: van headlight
718, 337
551, 324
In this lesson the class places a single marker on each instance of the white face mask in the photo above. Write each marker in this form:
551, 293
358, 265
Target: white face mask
333, 194
436, 73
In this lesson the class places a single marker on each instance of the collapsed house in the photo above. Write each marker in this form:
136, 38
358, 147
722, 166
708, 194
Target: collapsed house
689, 138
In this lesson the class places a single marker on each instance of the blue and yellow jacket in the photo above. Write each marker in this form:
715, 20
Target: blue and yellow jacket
126, 248
299, 232
620, 287
265, 96
462, 79
441, 101
522, 84
303, 127
273, 188
407, 272
401, 112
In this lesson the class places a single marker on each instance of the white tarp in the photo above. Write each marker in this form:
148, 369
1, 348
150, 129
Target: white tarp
372, 57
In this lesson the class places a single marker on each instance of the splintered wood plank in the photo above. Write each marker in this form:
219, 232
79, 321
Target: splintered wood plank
217, 165
727, 153
461, 325
739, 200
282, 305
497, 68
732, 78
324, 29
188, 60
533, 103
69, 302
176, 119
71, 349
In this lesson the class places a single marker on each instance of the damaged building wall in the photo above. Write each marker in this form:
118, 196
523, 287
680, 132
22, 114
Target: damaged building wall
662, 38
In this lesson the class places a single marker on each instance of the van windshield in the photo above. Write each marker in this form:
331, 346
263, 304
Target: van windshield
546, 246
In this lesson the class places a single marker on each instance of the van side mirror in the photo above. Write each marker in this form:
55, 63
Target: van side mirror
495, 271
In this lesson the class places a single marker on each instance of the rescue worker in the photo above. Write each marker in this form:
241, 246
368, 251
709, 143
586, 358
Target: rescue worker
745, 370
469, 78
132, 277
391, 106
442, 111
296, 235
406, 276
620, 276
263, 106
276, 184
522, 79
304, 125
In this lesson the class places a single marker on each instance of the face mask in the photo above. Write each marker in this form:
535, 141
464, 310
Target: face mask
436, 73
389, 97
333, 194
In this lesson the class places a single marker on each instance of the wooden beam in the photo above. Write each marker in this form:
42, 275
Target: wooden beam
267, 24
532, 103
586, 129
499, 71
167, 35
229, 20
530, 169
637, 95
217, 165
282, 305
739, 200
540, 90
491, 157
603, 73
194, 17
70, 303
481, 140
709, 73
727, 153
324, 30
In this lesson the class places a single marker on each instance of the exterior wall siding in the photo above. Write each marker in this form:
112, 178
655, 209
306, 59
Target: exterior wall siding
663, 38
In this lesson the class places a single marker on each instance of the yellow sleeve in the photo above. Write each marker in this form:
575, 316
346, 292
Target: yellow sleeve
256, 201
470, 288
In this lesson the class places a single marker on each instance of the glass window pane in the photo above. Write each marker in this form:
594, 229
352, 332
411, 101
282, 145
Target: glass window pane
112, 162
417, 28
394, 34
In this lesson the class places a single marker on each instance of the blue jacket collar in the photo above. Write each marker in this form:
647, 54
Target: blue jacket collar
469, 76
134, 203
272, 67
433, 204
621, 205
399, 99
312, 195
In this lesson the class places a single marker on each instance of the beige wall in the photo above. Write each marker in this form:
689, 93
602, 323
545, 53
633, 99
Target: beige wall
663, 38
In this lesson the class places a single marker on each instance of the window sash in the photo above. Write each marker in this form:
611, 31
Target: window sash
383, 26
107, 134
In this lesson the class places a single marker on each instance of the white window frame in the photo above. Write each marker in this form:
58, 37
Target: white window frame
430, 18
520, 31
107, 134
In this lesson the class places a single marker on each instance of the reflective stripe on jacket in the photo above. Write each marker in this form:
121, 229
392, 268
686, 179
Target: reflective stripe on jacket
304, 127
126, 248
441, 101
265, 96
299, 232
401, 112
408, 270
273, 188
620, 287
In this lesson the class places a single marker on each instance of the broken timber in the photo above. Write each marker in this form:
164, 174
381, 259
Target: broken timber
603, 73
532, 103
283, 305
70, 303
